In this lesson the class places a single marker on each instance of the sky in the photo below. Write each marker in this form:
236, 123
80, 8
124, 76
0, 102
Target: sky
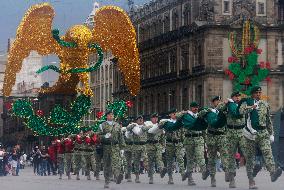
68, 13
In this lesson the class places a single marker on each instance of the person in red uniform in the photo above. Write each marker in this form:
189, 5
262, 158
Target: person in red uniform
68, 153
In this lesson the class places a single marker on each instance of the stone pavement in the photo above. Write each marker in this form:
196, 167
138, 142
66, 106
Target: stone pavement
28, 181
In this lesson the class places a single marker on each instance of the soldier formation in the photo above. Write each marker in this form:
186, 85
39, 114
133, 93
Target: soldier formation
222, 128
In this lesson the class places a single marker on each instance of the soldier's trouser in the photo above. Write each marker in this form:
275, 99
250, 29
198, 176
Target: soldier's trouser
128, 160
172, 150
194, 150
90, 162
235, 139
60, 162
99, 158
78, 161
154, 153
112, 161
68, 162
263, 142
216, 143
138, 155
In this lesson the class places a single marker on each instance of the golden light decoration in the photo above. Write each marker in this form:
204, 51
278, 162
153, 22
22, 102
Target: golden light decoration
250, 35
113, 31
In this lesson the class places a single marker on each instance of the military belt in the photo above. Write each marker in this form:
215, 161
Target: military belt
129, 143
110, 143
139, 143
193, 135
82, 149
152, 141
235, 126
173, 141
215, 132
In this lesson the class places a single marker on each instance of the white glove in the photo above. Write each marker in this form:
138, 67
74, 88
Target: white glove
271, 138
123, 129
108, 135
121, 153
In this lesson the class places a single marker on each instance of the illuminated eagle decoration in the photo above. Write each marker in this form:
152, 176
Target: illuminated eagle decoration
112, 31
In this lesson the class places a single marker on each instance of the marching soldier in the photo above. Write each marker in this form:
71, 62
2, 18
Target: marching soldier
234, 134
99, 158
216, 141
78, 154
174, 145
154, 146
139, 141
194, 142
68, 155
112, 140
60, 157
128, 154
90, 142
257, 114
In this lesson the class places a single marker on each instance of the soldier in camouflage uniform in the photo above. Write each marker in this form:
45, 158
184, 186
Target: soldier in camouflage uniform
216, 142
60, 157
194, 147
154, 146
112, 140
234, 134
138, 131
99, 158
90, 141
78, 154
68, 154
128, 155
174, 147
257, 114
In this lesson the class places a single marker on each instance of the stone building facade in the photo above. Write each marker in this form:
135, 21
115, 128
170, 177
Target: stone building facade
184, 51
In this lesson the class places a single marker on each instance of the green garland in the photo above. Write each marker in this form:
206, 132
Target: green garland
78, 70
55, 35
60, 121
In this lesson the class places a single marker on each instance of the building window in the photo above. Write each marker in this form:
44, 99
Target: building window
158, 103
172, 99
261, 7
152, 104
185, 102
199, 94
227, 7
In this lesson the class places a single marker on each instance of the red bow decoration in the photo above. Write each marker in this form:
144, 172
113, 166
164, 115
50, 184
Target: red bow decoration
78, 139
39, 112
268, 79
100, 114
268, 66
231, 59
129, 103
247, 81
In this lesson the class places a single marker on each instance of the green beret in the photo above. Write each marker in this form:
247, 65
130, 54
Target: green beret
139, 117
194, 104
255, 89
236, 93
173, 110
154, 115
216, 98
108, 112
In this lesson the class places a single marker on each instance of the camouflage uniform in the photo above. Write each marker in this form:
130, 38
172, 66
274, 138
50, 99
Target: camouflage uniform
216, 141
139, 149
99, 158
112, 140
68, 155
60, 158
90, 156
194, 148
174, 147
154, 148
78, 154
128, 156
260, 121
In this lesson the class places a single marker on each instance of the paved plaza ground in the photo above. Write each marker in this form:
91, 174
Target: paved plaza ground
28, 181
